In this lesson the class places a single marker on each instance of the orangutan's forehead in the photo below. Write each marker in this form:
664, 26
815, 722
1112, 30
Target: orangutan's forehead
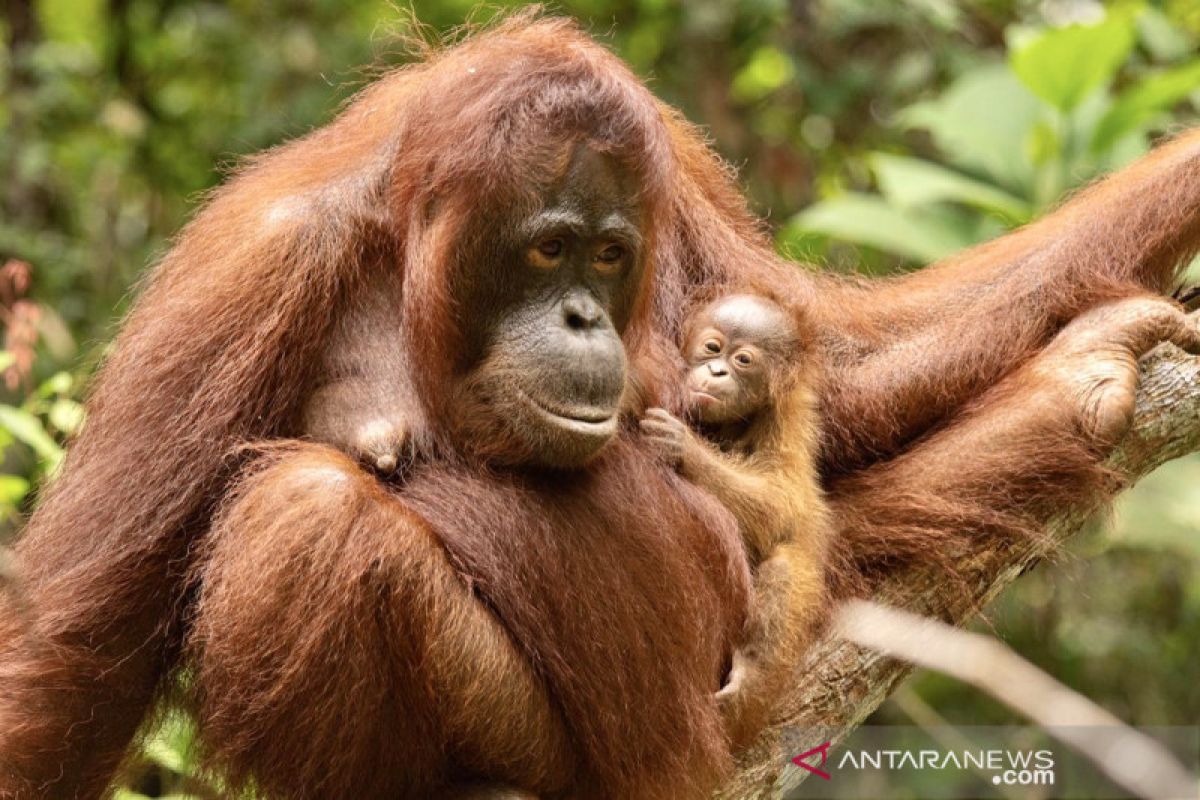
592, 197
750, 319
584, 171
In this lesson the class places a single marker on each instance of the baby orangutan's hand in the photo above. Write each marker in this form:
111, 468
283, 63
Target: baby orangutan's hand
666, 434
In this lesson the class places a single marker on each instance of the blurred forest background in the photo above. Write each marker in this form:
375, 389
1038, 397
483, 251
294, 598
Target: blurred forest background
874, 135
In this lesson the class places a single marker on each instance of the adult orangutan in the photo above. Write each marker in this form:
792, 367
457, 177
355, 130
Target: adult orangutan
542, 607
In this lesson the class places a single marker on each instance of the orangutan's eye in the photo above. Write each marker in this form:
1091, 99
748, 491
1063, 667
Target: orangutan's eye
546, 254
712, 346
743, 359
610, 258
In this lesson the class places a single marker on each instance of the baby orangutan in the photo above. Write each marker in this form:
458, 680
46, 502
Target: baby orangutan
751, 394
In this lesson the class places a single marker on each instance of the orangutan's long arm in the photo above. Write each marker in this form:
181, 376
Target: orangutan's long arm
1022, 452
904, 354
218, 349
326, 604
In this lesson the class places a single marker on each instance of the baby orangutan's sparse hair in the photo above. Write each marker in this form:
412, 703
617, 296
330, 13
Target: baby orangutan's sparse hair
752, 395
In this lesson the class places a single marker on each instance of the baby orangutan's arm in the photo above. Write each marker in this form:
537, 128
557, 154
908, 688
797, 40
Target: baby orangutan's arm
786, 529
734, 480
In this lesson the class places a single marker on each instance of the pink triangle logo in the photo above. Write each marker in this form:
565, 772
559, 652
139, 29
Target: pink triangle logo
823, 750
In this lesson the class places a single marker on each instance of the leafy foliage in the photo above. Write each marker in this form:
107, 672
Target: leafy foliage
1069, 103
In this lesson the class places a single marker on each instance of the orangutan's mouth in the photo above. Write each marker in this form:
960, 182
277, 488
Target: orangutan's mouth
586, 420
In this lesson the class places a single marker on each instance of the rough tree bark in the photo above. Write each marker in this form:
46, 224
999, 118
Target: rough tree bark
839, 684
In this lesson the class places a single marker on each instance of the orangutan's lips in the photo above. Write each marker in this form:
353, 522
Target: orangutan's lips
585, 419
705, 396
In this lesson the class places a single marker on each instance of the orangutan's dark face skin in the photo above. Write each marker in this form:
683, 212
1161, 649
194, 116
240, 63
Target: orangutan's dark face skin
731, 351
552, 368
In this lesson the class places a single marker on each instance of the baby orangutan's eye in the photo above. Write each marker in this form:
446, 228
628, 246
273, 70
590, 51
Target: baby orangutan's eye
743, 359
712, 346
551, 248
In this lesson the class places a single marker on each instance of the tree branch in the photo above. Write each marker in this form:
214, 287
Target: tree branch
839, 684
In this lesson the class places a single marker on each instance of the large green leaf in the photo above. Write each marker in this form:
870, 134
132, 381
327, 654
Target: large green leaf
1141, 102
1061, 65
921, 235
982, 123
909, 182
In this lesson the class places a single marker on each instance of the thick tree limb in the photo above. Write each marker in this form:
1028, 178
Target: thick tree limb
839, 684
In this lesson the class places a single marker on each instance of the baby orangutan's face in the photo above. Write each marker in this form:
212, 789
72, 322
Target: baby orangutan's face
731, 352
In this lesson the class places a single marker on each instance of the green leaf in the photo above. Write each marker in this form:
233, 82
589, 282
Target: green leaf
128, 794
909, 182
922, 236
1063, 64
172, 744
768, 69
1141, 102
7, 359
981, 123
58, 383
13, 489
28, 429
1043, 144
66, 415
1161, 37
